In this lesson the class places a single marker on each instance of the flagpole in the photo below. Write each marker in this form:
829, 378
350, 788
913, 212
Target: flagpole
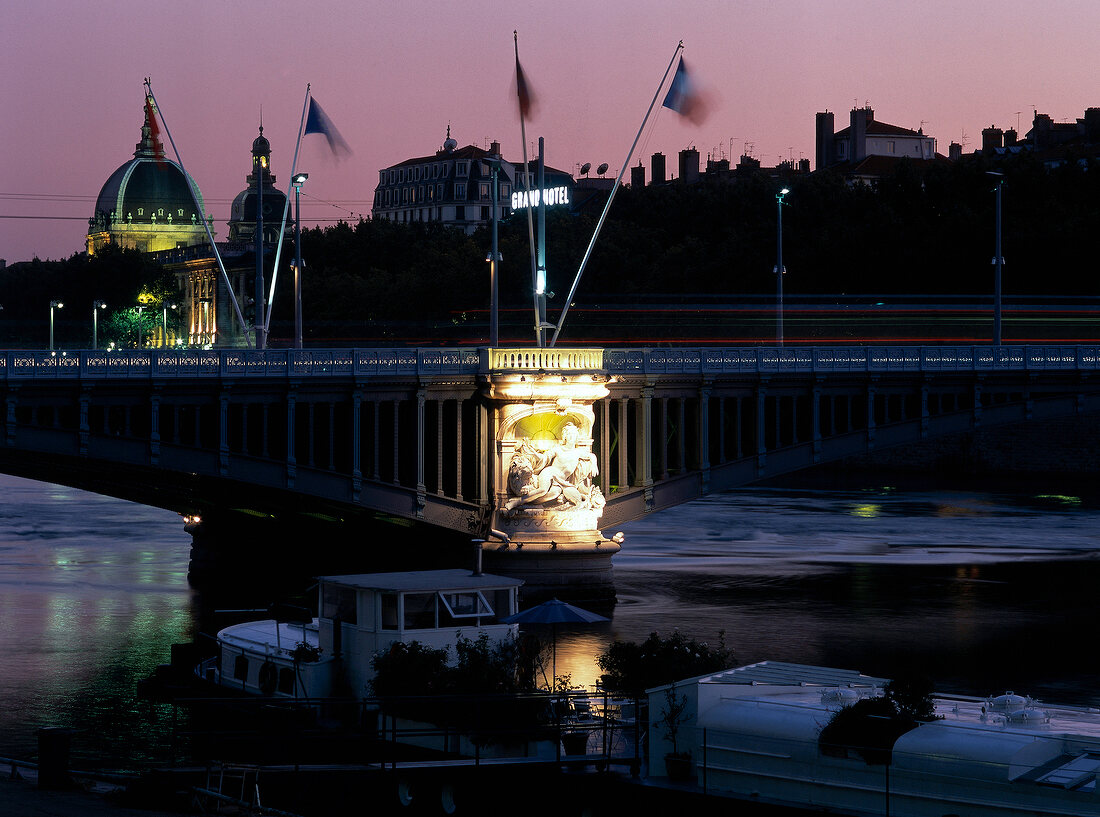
527, 188
286, 209
205, 223
610, 198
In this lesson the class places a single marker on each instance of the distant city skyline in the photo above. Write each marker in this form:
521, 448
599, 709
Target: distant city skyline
392, 77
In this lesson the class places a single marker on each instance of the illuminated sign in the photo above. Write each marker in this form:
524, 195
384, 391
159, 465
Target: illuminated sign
553, 196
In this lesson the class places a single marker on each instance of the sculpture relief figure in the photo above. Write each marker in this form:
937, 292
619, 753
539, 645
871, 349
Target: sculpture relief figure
560, 476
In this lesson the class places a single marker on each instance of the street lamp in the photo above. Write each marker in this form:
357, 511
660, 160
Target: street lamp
780, 270
96, 306
998, 260
53, 305
297, 181
164, 324
494, 256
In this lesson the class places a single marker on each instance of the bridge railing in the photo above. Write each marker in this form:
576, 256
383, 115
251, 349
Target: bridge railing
763, 360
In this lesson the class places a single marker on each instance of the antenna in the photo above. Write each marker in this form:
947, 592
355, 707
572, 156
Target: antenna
1018, 121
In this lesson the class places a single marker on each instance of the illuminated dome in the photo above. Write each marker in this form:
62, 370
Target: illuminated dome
147, 203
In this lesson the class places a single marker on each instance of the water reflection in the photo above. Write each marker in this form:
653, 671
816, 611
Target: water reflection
982, 590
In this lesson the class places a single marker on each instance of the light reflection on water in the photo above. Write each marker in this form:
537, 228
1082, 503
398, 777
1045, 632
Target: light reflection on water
93, 591
984, 591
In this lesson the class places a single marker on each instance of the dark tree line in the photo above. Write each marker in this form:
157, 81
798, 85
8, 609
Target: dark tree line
918, 231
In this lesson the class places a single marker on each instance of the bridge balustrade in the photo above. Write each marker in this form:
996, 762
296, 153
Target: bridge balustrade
407, 431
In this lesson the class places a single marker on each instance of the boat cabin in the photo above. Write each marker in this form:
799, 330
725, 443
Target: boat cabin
361, 615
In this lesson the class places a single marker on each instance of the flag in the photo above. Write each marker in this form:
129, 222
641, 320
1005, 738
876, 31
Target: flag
154, 130
317, 121
523, 91
684, 97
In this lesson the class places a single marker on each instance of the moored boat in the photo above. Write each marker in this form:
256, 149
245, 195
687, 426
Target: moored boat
359, 616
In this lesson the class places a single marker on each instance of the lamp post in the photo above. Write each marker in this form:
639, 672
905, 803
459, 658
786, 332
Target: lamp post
998, 259
494, 256
140, 309
780, 270
53, 305
297, 181
164, 324
96, 306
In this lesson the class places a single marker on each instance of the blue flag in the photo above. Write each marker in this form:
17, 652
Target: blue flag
684, 97
317, 121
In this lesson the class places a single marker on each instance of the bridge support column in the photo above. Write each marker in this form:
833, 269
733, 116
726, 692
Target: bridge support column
761, 428
704, 436
870, 417
816, 419
644, 446
85, 429
223, 433
291, 425
547, 503
924, 413
356, 443
421, 487
663, 448
154, 426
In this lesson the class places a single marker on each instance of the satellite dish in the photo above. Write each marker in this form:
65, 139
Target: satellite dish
602, 168
585, 168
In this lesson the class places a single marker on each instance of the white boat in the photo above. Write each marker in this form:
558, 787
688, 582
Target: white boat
359, 616
753, 733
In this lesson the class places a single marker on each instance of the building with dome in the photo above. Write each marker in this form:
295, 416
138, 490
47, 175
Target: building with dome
147, 204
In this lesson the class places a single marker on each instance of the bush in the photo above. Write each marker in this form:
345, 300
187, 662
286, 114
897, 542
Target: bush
871, 726
631, 668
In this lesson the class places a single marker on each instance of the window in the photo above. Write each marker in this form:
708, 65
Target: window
446, 170
431, 192
462, 169
419, 611
389, 611
382, 177
393, 177
460, 190
470, 604
439, 191
483, 190
435, 171
404, 195
401, 175
890, 146
420, 194
505, 191
339, 602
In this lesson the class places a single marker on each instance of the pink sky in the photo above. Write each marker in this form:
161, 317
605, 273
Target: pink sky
393, 75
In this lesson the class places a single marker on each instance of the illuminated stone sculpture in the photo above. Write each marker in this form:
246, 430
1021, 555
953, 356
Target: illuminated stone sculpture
548, 500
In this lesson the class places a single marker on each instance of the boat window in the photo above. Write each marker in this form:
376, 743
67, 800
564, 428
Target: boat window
240, 668
286, 681
420, 611
502, 602
470, 604
339, 602
389, 611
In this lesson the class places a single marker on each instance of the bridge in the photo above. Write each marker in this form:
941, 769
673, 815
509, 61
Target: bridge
416, 434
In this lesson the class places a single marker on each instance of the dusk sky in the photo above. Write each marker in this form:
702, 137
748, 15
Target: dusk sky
393, 75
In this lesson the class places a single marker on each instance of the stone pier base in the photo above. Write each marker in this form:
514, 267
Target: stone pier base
567, 570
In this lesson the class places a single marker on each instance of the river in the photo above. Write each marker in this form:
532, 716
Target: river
983, 588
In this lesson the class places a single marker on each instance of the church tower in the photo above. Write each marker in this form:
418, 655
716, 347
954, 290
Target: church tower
242, 219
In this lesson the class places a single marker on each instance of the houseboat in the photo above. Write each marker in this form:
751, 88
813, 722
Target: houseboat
753, 733
360, 616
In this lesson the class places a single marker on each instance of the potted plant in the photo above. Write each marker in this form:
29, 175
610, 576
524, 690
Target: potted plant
677, 763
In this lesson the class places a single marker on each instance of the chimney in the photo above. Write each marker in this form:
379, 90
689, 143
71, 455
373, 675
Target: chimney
860, 118
954, 151
825, 153
689, 166
992, 138
494, 148
658, 168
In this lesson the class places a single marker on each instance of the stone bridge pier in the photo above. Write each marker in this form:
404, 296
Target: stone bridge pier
547, 500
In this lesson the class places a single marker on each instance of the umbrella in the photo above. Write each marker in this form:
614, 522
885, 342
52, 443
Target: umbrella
554, 612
